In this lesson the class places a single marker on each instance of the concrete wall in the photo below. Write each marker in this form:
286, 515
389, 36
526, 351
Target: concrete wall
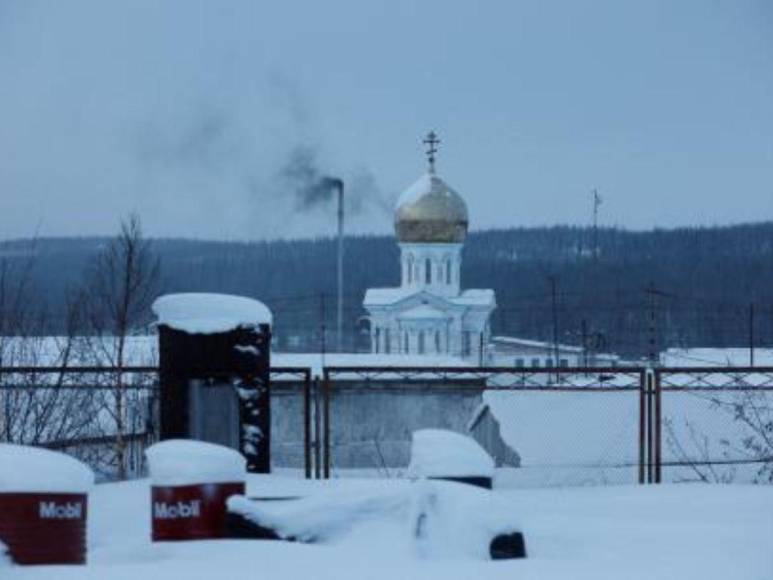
371, 422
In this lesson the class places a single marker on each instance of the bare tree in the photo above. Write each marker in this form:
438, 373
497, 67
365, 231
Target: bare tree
120, 286
36, 408
718, 458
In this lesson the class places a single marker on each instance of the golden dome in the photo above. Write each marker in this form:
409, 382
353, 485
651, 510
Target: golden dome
429, 211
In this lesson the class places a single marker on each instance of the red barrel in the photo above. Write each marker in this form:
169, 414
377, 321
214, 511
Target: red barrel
191, 512
44, 528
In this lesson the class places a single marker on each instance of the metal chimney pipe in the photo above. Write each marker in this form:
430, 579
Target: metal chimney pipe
340, 271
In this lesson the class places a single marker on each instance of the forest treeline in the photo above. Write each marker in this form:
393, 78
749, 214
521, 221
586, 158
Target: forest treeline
708, 286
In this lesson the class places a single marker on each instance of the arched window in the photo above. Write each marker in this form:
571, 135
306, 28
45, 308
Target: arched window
448, 271
422, 346
377, 340
427, 271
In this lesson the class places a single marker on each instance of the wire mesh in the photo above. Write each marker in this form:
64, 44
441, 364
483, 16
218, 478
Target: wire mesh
541, 426
717, 424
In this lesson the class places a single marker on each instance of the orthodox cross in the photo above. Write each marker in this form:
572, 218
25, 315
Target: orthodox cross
431, 141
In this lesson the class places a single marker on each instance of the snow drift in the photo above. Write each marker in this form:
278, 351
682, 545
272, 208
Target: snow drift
442, 453
432, 519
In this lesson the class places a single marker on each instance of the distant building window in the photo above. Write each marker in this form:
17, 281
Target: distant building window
427, 271
410, 269
563, 363
406, 343
422, 346
535, 363
387, 341
519, 363
548, 363
437, 341
377, 340
448, 271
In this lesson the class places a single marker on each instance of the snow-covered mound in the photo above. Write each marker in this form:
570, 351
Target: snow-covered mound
187, 462
202, 313
428, 518
441, 453
5, 560
32, 469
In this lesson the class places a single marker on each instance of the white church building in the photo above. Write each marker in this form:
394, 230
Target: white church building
429, 313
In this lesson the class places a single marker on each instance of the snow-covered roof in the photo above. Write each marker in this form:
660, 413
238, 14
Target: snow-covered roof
385, 296
475, 297
202, 313
388, 296
516, 342
187, 462
144, 352
701, 357
33, 469
316, 361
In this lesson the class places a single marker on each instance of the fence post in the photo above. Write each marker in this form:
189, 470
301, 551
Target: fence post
317, 457
642, 423
326, 422
657, 420
307, 424
650, 431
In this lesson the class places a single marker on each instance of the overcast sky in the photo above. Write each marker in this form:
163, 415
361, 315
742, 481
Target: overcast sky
189, 112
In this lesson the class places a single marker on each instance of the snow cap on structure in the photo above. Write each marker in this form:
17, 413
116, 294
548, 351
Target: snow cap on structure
187, 462
202, 313
441, 453
32, 469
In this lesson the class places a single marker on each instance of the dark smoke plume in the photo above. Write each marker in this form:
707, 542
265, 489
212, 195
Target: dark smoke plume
313, 188
310, 186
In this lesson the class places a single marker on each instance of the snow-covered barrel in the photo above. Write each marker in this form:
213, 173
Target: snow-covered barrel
43, 505
441, 454
191, 482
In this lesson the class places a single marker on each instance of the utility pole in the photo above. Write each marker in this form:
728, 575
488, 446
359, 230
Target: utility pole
322, 328
596, 203
651, 329
554, 309
340, 268
751, 334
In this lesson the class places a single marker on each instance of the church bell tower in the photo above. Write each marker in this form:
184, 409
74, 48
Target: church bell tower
429, 313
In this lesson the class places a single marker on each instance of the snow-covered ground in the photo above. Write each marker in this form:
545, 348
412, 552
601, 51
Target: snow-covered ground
694, 531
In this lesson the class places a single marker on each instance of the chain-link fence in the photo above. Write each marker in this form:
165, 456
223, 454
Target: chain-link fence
105, 416
108, 416
542, 426
715, 424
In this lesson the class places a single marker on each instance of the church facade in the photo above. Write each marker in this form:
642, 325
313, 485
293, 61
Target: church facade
429, 313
